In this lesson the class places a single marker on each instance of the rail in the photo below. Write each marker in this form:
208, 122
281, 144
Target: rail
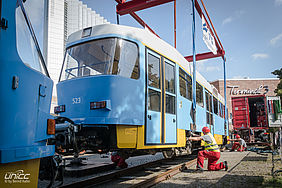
132, 170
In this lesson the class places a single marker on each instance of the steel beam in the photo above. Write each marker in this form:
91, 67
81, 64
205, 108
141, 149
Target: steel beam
136, 5
203, 56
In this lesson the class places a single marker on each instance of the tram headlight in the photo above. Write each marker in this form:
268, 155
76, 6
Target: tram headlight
59, 109
98, 105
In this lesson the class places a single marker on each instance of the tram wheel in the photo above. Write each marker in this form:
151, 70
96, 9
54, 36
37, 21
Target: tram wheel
169, 153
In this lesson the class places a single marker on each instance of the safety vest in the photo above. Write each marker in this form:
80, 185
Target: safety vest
211, 146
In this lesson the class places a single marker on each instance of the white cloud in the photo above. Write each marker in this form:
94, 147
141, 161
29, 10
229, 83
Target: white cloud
227, 20
203, 66
274, 40
278, 2
235, 16
259, 56
239, 13
212, 68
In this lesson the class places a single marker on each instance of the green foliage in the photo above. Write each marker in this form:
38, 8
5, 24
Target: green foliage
278, 90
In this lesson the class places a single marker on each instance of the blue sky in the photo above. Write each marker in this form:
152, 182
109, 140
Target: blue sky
250, 31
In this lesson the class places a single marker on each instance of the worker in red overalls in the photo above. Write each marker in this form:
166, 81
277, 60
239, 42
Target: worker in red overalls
239, 144
211, 152
118, 160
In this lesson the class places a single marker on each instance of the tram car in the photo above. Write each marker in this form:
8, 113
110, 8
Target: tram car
123, 88
25, 98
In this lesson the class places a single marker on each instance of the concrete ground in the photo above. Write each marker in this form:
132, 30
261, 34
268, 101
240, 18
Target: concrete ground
246, 169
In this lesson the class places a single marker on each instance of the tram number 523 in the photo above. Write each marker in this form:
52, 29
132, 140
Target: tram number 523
76, 100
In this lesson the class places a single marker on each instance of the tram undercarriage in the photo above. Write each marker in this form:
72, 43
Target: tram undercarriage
75, 139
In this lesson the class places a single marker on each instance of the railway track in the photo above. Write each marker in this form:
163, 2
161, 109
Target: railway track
144, 175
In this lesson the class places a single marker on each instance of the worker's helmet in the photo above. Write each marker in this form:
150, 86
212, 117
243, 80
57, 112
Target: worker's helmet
206, 130
237, 136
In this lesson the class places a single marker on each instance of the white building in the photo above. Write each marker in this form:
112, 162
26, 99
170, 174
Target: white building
64, 18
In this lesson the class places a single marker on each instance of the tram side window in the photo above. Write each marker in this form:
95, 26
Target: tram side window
185, 85
169, 78
170, 87
154, 100
215, 106
153, 71
221, 110
126, 61
25, 44
199, 99
209, 108
211, 112
170, 104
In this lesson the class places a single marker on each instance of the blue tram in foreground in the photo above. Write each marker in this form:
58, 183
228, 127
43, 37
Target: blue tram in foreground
26, 90
128, 90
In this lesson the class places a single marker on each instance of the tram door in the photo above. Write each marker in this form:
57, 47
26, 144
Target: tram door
161, 116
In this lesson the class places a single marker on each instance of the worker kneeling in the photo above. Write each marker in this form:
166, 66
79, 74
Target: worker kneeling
211, 152
239, 144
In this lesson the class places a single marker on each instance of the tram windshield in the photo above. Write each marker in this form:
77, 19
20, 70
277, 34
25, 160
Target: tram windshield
109, 56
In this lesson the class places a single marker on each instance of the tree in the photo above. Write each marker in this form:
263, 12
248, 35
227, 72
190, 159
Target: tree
278, 90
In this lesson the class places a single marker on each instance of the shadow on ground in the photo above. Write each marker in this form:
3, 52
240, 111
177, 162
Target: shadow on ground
255, 158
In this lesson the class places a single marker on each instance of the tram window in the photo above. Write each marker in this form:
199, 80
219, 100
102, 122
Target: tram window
153, 71
185, 85
209, 108
199, 99
25, 44
215, 106
208, 117
208, 101
109, 56
126, 59
220, 109
170, 104
154, 100
169, 78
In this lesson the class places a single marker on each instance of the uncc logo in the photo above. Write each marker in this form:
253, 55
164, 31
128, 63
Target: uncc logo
17, 175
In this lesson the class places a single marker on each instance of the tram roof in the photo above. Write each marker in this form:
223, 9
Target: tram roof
148, 39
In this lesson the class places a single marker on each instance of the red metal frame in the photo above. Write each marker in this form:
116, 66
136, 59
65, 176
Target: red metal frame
130, 7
